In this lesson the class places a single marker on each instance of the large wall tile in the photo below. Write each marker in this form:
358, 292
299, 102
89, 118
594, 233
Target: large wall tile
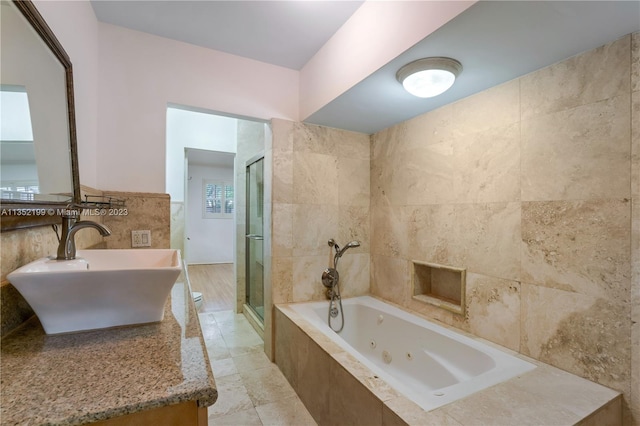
585, 335
283, 135
316, 139
321, 190
427, 174
635, 62
282, 177
351, 402
495, 107
526, 185
580, 153
487, 165
315, 178
353, 224
386, 142
356, 146
287, 341
307, 278
389, 232
312, 228
489, 235
145, 211
635, 306
282, 279
590, 77
635, 145
435, 127
390, 278
313, 373
354, 274
388, 183
353, 182
579, 246
282, 230
493, 309
431, 236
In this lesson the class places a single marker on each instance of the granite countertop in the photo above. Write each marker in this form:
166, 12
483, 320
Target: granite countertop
73, 379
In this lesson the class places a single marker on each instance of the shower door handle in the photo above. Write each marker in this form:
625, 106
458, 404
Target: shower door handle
255, 237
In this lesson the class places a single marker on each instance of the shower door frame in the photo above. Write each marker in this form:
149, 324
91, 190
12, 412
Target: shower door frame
252, 311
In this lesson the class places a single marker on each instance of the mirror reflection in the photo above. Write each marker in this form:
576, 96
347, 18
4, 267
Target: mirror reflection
35, 160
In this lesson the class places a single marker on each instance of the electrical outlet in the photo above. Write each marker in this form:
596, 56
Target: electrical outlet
140, 238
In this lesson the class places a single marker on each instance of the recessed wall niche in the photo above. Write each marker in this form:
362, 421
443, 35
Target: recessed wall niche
439, 285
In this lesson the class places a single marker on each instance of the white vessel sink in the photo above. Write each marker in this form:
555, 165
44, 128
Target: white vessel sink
99, 289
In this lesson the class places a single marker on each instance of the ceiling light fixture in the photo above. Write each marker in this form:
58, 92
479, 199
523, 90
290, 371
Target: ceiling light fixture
429, 77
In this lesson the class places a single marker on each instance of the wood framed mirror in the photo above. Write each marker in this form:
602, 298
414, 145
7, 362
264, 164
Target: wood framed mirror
38, 158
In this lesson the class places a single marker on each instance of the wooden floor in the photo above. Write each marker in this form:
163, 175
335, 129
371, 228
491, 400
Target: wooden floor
216, 284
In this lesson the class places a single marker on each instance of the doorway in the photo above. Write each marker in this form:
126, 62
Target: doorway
190, 128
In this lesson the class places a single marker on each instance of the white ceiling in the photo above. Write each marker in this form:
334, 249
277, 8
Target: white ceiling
496, 41
203, 157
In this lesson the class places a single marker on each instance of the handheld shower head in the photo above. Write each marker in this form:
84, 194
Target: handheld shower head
340, 252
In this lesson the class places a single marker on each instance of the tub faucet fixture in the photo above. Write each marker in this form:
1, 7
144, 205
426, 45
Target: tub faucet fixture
331, 280
340, 251
71, 225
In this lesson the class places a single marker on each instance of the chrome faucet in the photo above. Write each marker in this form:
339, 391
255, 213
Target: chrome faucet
71, 225
339, 251
331, 280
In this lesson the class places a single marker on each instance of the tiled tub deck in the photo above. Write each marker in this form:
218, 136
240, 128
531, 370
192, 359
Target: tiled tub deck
336, 388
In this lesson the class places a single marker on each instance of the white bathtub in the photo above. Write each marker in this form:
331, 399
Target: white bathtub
427, 363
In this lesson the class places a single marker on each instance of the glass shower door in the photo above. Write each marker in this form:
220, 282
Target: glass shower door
254, 237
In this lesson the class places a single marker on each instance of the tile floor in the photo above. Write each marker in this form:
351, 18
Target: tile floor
251, 389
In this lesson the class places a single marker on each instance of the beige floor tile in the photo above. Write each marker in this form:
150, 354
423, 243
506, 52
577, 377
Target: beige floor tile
243, 350
266, 385
251, 361
231, 327
242, 338
285, 412
246, 378
223, 367
217, 349
232, 397
241, 418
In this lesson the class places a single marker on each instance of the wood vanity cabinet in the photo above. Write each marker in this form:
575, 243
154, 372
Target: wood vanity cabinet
183, 414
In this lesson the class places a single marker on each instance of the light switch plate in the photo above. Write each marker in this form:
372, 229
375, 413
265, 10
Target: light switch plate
141, 238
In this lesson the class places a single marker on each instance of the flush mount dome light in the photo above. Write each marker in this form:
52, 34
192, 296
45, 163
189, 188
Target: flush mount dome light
429, 77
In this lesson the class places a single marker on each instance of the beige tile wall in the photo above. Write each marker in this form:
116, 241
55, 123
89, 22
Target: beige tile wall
635, 227
528, 186
321, 190
144, 211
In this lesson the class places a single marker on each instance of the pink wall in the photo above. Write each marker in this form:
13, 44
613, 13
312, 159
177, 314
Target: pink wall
124, 80
141, 73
